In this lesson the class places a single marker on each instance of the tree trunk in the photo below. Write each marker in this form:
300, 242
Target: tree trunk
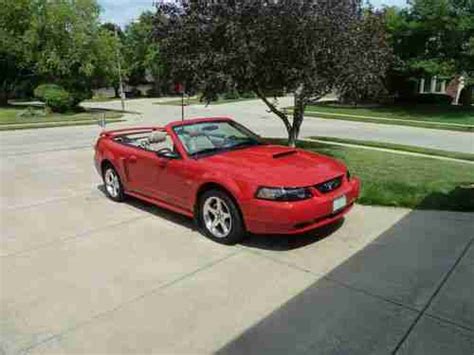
273, 108
3, 97
157, 86
116, 90
298, 114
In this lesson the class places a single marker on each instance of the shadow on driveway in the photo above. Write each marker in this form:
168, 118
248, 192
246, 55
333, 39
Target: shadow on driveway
410, 291
291, 242
265, 242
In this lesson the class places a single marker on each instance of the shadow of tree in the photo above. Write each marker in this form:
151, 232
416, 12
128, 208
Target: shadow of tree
460, 198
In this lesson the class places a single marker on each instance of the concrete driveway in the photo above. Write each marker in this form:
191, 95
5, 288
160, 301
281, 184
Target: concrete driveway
81, 274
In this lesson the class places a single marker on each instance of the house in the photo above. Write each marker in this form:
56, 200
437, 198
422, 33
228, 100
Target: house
451, 86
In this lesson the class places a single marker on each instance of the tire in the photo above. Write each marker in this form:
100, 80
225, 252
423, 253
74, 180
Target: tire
219, 218
113, 185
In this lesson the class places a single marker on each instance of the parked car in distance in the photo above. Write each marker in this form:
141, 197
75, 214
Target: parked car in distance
227, 178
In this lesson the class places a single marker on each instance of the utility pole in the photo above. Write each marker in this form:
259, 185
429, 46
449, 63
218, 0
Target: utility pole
119, 67
179, 88
182, 106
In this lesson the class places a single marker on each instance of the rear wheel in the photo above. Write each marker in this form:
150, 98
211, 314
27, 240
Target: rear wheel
112, 183
219, 218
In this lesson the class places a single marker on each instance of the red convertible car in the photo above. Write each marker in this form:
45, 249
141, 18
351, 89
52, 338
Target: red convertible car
226, 177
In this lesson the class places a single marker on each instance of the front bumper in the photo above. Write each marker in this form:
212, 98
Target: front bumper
271, 217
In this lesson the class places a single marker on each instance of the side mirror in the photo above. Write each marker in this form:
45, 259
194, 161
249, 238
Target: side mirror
167, 153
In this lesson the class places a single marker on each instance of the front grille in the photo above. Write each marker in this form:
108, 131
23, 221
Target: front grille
330, 185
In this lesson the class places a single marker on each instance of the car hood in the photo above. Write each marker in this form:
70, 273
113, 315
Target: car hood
273, 165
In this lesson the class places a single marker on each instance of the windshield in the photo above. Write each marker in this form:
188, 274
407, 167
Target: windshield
214, 137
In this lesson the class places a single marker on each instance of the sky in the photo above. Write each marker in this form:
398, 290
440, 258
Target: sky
124, 11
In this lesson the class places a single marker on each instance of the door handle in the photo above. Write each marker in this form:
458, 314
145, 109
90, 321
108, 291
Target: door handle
132, 159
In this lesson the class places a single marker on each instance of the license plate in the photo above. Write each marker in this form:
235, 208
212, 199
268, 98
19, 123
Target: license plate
339, 203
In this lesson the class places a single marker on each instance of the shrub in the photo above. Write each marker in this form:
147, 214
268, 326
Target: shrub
467, 96
230, 95
153, 93
431, 99
437, 99
77, 96
55, 97
248, 95
133, 93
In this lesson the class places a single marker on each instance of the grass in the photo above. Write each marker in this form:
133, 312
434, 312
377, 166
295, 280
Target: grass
400, 147
196, 101
428, 116
390, 179
11, 118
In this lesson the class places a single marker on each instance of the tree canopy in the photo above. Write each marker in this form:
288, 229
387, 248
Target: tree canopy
15, 21
306, 47
433, 37
141, 52
57, 41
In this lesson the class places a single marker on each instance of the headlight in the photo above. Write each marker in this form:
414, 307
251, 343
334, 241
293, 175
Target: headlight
283, 193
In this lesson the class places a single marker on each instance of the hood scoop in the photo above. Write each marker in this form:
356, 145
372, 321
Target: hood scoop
284, 154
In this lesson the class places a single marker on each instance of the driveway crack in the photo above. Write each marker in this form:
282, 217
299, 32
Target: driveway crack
433, 296
134, 299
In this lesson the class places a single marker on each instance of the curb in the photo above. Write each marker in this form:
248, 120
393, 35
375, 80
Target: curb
388, 119
387, 150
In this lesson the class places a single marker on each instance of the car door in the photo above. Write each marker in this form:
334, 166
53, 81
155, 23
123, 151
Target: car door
176, 180
143, 172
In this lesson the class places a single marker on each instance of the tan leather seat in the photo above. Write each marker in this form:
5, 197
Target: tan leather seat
157, 140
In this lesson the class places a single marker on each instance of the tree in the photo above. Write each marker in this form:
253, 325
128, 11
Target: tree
305, 47
142, 52
364, 78
15, 20
433, 37
67, 46
109, 75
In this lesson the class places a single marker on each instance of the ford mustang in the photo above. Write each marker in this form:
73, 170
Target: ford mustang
226, 177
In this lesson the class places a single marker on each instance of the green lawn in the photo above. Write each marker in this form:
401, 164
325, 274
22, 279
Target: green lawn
11, 118
390, 179
196, 101
400, 147
430, 116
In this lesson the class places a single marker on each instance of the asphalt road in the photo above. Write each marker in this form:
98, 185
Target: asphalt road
81, 274
251, 113
254, 114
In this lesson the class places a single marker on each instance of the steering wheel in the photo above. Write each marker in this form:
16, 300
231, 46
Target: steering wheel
228, 140
165, 152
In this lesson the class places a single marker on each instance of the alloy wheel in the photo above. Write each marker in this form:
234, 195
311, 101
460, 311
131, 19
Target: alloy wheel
217, 217
112, 183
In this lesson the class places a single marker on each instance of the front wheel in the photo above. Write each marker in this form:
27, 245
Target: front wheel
219, 218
